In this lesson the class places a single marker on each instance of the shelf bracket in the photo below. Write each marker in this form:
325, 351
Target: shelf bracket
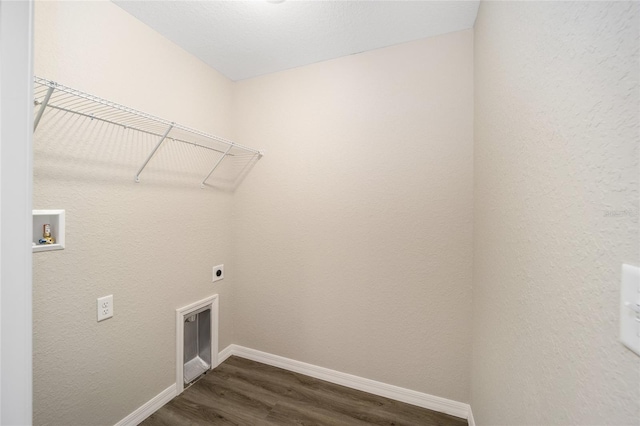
216, 165
43, 105
154, 151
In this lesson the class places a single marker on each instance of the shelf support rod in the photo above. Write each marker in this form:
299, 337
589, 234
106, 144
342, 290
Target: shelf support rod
42, 107
153, 152
216, 165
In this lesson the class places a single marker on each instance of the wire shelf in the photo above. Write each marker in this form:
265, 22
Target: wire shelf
51, 95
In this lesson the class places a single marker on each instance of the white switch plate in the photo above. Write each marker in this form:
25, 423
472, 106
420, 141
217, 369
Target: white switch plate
630, 308
218, 273
105, 307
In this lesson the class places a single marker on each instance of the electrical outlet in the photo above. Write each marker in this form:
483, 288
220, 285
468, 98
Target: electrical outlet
105, 307
218, 273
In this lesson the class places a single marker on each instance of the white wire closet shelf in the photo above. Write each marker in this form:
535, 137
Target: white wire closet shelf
51, 95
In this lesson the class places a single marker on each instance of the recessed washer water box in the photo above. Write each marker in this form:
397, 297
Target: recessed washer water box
55, 220
196, 340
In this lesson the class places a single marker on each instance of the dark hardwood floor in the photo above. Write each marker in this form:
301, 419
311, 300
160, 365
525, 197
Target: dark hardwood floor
243, 392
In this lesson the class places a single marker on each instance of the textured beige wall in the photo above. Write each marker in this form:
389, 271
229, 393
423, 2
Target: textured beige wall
556, 148
352, 238
350, 245
151, 245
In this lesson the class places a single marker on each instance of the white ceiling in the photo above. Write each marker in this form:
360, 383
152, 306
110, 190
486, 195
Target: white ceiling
244, 39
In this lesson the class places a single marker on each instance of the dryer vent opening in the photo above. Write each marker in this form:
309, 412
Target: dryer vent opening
197, 344
196, 340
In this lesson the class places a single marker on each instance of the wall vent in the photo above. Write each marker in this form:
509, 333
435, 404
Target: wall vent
196, 341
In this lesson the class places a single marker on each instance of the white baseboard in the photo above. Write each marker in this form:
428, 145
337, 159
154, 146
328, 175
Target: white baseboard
225, 353
150, 407
431, 402
470, 419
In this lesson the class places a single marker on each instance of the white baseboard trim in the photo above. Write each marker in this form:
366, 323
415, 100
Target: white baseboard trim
470, 419
150, 407
431, 402
225, 353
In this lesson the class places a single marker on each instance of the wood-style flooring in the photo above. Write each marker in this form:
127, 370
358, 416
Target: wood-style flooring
243, 392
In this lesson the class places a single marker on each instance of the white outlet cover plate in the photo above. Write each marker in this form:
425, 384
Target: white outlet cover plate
105, 307
218, 268
629, 318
